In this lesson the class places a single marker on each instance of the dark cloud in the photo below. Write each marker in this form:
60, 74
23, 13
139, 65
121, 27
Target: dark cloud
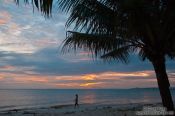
50, 61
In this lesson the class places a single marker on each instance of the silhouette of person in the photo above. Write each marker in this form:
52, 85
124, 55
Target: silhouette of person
76, 101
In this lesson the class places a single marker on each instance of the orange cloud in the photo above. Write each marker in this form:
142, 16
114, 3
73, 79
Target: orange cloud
1, 78
2, 21
91, 84
31, 79
7, 67
125, 74
89, 77
96, 80
67, 85
68, 78
87, 84
23, 78
100, 80
4, 17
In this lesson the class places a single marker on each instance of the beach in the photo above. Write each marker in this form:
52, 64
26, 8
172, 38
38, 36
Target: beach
83, 110
103, 102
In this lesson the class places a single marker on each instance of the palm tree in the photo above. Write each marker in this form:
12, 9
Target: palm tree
114, 29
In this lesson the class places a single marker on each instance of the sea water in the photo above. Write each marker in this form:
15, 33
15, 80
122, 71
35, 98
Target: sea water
12, 99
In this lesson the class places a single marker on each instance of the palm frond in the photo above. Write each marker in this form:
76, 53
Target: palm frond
45, 6
68, 5
142, 55
120, 54
95, 43
93, 16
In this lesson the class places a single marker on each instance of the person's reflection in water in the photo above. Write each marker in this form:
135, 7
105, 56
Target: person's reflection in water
76, 101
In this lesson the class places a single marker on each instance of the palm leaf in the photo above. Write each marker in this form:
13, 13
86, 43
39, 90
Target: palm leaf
95, 43
45, 6
120, 54
93, 16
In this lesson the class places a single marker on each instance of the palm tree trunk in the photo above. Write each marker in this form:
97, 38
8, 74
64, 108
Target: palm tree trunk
163, 83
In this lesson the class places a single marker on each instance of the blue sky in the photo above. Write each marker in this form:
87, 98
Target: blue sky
31, 58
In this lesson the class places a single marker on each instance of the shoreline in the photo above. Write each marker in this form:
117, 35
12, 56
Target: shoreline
83, 110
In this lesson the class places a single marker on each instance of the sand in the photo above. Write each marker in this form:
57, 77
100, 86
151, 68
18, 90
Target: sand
83, 110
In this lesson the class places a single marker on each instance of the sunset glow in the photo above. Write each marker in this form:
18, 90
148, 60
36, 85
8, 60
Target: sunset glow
89, 77
88, 84
98, 80
133, 74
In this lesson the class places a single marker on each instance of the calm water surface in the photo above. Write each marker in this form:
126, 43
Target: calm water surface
10, 99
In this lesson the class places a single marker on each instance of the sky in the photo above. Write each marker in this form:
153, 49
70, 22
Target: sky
31, 58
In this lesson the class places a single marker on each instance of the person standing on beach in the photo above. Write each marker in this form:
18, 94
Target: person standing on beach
76, 101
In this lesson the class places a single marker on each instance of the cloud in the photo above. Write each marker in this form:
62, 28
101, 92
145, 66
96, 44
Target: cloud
31, 58
4, 17
21, 28
6, 67
93, 80
91, 84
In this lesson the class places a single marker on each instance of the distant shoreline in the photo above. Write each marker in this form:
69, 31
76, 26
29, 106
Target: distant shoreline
86, 88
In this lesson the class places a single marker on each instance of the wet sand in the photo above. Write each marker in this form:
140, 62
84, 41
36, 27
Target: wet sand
83, 110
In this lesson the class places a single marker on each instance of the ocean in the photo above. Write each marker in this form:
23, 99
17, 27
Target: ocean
14, 99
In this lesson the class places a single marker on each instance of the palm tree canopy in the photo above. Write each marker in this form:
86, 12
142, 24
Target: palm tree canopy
113, 29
